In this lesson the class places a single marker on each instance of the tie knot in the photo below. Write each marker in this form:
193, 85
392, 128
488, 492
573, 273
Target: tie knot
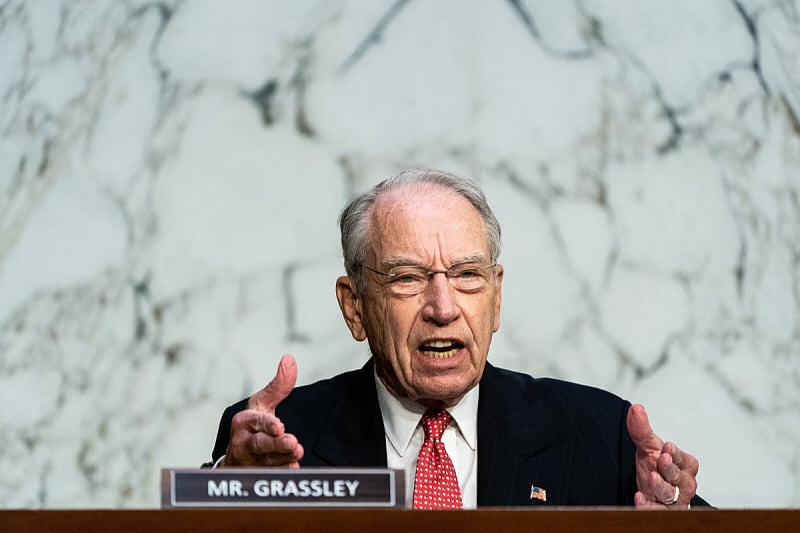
434, 423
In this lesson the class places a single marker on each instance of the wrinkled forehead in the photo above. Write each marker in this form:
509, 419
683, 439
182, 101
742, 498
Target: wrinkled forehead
419, 218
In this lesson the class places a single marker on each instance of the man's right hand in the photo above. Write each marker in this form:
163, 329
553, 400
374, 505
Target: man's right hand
258, 437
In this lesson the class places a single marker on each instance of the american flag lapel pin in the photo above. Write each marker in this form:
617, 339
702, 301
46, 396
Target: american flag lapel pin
538, 493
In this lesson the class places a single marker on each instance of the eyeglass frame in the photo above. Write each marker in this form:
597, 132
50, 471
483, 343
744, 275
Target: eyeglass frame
430, 273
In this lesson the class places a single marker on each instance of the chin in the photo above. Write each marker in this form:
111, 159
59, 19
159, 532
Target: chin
445, 395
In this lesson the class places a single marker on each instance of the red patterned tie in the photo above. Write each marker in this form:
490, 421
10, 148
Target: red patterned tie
435, 484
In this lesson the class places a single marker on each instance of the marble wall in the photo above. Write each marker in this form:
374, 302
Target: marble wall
171, 173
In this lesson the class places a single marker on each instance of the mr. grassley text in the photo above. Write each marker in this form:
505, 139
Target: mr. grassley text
276, 488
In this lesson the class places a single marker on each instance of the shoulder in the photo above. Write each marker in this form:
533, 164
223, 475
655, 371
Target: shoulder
497, 377
550, 394
351, 385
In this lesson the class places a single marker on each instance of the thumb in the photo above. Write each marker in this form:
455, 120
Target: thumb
268, 398
640, 431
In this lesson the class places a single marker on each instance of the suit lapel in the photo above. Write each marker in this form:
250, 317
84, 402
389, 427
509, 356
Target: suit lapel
517, 448
352, 432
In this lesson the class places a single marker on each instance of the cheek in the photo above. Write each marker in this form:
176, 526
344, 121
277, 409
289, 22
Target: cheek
483, 322
397, 326
391, 325
375, 321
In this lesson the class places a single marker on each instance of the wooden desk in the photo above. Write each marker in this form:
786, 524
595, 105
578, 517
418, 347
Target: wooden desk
386, 521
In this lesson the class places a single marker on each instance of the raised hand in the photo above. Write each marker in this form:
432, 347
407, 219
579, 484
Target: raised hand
666, 476
258, 437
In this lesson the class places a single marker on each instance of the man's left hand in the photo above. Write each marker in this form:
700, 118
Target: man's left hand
663, 471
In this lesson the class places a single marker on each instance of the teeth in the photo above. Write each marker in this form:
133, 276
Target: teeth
440, 349
442, 355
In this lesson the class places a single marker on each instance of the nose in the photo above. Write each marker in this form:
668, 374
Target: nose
440, 304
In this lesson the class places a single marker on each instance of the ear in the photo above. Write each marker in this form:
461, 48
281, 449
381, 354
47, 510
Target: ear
350, 305
498, 287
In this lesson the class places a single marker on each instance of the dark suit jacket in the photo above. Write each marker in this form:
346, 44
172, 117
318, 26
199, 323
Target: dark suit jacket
569, 439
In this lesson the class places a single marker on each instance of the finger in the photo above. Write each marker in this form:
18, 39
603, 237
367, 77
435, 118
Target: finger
268, 398
280, 461
661, 490
263, 450
686, 465
668, 469
285, 459
262, 444
252, 421
685, 461
641, 501
274, 460
289, 459
640, 431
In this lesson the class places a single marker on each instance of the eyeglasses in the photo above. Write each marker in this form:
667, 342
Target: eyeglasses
409, 280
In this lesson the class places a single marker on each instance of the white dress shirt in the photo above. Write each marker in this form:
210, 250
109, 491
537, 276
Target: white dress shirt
404, 437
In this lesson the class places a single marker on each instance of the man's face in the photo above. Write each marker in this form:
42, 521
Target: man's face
430, 347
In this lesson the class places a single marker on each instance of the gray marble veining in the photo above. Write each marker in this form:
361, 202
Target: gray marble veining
171, 173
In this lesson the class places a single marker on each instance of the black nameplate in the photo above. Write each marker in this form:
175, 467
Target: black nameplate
262, 487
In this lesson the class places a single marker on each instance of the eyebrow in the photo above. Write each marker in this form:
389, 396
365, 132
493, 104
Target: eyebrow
396, 261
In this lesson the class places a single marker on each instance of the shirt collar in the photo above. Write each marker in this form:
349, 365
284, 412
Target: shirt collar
401, 417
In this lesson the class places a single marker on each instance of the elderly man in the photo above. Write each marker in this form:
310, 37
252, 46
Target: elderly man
423, 288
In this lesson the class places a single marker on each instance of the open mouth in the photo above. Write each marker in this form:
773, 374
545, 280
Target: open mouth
440, 349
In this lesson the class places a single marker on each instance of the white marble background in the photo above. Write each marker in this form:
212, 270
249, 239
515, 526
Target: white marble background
171, 172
